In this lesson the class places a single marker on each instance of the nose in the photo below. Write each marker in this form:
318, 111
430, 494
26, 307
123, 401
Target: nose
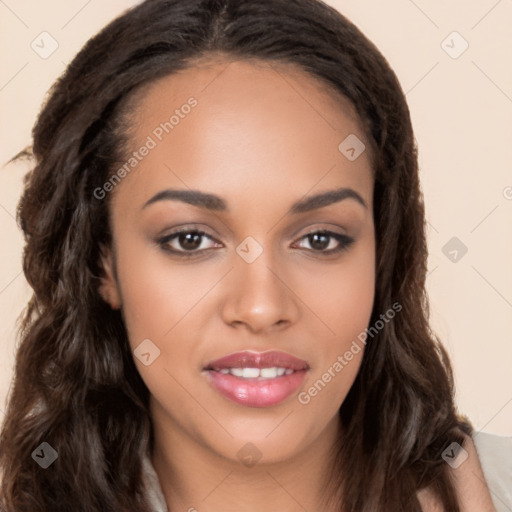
259, 297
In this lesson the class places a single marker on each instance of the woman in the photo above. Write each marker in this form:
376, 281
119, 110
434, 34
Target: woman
225, 237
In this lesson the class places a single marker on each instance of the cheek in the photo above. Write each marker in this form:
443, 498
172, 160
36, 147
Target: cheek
157, 292
342, 295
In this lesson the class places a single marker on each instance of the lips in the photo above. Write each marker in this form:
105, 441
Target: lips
256, 379
248, 359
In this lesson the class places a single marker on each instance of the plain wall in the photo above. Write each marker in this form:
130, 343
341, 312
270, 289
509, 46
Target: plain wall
461, 107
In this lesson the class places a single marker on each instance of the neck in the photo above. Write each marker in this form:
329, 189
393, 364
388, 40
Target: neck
193, 477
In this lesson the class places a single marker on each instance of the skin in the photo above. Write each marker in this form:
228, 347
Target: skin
261, 137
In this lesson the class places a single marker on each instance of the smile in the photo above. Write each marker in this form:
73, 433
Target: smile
257, 373
256, 379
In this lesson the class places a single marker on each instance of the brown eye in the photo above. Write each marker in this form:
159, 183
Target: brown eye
190, 241
325, 242
319, 241
187, 241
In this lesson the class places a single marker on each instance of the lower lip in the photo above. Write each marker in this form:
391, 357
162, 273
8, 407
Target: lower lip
256, 393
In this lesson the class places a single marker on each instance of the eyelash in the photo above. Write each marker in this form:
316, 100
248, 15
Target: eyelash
344, 242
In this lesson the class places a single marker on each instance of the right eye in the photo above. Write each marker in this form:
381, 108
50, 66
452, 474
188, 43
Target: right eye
186, 242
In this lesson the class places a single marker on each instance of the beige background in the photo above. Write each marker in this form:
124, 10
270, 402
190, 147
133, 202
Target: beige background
462, 115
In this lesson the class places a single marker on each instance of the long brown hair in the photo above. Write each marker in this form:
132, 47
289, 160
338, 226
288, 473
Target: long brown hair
75, 384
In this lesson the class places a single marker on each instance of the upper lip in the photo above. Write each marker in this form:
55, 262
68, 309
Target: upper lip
251, 359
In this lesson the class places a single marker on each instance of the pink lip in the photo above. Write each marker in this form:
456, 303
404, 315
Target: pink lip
254, 392
249, 359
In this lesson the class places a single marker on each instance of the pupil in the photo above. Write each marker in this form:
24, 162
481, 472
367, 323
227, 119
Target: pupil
319, 240
190, 240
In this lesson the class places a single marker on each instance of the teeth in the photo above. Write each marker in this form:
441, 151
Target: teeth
257, 373
250, 373
268, 373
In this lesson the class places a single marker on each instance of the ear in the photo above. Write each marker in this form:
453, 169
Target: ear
108, 288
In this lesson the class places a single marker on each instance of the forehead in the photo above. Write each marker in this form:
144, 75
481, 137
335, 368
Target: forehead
252, 123
223, 83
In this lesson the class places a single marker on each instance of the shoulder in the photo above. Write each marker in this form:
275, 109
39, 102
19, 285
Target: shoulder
481, 470
469, 479
495, 456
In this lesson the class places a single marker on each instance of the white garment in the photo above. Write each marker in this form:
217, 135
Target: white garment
152, 486
494, 452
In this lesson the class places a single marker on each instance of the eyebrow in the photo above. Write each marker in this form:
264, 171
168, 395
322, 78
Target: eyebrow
216, 203
193, 197
325, 199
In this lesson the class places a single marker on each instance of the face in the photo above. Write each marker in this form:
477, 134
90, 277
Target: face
242, 227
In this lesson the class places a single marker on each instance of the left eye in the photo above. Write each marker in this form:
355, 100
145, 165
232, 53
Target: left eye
326, 241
